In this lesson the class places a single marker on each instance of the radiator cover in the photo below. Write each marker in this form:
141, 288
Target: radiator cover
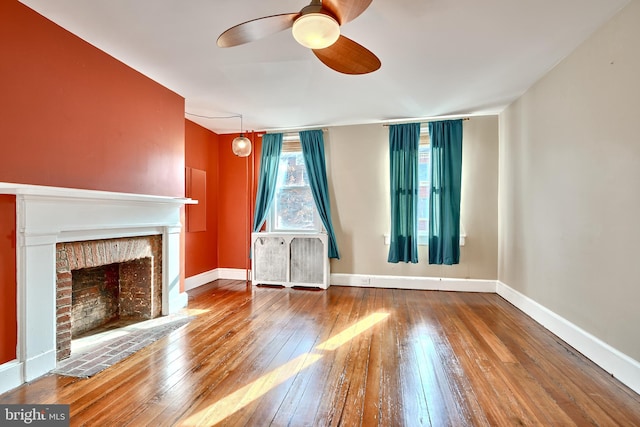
290, 259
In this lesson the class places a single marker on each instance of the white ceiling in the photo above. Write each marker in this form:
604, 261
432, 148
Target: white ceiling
439, 57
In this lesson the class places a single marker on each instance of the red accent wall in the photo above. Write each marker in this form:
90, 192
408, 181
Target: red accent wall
8, 319
201, 152
73, 116
234, 204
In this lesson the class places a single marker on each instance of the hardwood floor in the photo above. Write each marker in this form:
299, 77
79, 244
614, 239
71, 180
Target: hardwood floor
346, 356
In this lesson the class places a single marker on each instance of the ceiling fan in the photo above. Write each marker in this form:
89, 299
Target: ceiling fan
316, 26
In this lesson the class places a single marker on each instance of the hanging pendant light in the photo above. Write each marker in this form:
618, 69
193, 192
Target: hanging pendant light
241, 145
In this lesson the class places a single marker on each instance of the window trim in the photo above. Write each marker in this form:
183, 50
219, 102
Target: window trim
291, 144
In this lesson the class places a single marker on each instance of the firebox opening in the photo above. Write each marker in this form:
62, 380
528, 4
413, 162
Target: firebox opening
111, 295
101, 284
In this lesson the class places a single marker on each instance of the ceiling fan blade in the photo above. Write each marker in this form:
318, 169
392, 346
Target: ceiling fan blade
256, 29
346, 10
348, 57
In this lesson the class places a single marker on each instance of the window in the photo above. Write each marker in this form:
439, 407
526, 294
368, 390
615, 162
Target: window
293, 207
424, 186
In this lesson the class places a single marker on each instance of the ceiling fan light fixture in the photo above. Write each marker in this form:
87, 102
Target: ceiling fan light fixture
316, 30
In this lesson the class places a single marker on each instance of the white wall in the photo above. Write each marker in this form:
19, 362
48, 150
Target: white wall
569, 204
358, 173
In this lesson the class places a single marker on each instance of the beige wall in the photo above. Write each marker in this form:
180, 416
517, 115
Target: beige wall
358, 169
569, 203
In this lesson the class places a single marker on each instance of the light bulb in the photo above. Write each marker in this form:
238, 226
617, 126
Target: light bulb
241, 146
316, 30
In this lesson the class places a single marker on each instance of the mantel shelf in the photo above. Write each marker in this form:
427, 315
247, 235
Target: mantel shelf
78, 193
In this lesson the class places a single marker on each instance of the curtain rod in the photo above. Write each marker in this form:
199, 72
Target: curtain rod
423, 121
294, 130
291, 131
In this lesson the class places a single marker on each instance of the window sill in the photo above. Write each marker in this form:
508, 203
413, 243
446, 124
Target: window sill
294, 231
387, 240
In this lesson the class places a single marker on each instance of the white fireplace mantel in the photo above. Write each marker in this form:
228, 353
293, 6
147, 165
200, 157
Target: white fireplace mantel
49, 215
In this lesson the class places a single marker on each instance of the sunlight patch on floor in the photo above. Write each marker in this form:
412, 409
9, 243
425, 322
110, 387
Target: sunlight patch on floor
352, 331
90, 342
195, 311
237, 400
252, 391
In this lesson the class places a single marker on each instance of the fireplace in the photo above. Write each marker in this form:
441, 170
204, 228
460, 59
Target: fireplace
102, 281
52, 220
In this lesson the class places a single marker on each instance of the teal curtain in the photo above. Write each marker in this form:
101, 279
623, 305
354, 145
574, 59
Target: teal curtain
312, 143
444, 200
404, 141
269, 160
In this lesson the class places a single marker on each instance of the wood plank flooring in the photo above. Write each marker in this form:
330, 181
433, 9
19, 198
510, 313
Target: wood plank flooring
257, 356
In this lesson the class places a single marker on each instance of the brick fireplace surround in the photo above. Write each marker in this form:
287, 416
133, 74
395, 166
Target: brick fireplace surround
48, 216
135, 265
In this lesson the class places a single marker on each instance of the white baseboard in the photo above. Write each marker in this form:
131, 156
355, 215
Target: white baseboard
417, 283
182, 300
234, 273
10, 375
618, 364
193, 282
39, 365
